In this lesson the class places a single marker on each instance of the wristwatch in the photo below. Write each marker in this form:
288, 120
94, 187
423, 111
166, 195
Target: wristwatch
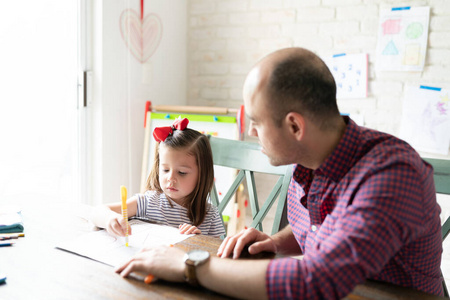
193, 259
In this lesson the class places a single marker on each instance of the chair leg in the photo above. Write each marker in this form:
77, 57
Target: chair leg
444, 287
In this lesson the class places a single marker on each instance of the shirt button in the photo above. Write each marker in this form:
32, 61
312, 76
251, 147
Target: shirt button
313, 228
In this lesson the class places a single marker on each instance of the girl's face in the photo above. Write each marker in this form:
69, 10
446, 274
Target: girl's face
178, 173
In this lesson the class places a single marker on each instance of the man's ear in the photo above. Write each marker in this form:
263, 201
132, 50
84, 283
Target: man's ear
296, 125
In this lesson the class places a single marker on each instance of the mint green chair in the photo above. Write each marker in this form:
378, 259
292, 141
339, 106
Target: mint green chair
248, 159
442, 184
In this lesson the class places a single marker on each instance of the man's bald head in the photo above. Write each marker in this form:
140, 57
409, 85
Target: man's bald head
295, 79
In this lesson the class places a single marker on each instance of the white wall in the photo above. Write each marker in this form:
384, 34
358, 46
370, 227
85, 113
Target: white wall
122, 85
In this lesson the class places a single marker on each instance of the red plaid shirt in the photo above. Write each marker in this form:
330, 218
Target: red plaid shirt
369, 211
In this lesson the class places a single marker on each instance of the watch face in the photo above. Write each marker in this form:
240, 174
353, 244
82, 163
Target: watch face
198, 255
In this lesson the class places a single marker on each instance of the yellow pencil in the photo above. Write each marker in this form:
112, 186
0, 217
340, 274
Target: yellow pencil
123, 193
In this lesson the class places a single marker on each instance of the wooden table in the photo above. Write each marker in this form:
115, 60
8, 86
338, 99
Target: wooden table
35, 269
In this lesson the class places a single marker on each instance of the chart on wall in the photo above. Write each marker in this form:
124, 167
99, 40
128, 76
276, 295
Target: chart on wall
350, 74
402, 38
426, 119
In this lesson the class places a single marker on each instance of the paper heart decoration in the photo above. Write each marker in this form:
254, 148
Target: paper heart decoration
142, 37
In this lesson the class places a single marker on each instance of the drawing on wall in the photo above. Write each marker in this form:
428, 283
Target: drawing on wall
426, 119
142, 35
402, 38
350, 73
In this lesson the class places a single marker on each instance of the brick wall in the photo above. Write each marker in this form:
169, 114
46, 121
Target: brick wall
226, 37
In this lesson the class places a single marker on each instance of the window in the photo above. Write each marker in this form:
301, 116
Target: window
38, 101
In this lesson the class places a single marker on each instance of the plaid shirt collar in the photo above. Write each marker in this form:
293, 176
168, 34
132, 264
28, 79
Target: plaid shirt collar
339, 162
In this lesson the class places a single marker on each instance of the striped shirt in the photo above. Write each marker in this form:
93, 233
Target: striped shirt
155, 207
369, 211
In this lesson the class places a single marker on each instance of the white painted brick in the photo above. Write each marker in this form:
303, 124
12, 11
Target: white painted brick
346, 105
440, 23
386, 88
340, 2
436, 73
244, 18
211, 45
391, 75
231, 32
254, 56
201, 34
440, 7
314, 42
391, 102
192, 46
279, 16
264, 4
232, 6
389, 4
294, 30
233, 81
231, 56
346, 43
333, 28
438, 57
370, 26
193, 70
300, 4
214, 93
356, 12
193, 21
236, 94
201, 7
264, 31
240, 68
213, 68
315, 14
205, 56
193, 93
251, 29
274, 44
241, 44
204, 81
211, 20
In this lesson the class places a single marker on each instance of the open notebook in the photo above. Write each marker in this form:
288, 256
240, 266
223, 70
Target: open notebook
100, 246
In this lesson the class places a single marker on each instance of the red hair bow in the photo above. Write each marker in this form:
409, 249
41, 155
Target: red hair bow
161, 133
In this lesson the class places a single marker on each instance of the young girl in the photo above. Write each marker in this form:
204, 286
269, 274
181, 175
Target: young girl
178, 186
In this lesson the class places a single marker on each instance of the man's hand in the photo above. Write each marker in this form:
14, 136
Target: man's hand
188, 229
162, 262
258, 241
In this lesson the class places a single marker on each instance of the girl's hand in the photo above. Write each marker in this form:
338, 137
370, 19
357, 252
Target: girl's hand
117, 226
189, 229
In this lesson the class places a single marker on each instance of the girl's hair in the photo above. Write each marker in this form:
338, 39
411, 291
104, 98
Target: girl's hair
196, 144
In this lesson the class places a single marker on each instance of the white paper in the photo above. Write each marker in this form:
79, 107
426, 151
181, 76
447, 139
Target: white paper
402, 38
101, 246
350, 74
426, 119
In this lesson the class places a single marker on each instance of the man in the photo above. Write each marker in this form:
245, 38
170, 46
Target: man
361, 203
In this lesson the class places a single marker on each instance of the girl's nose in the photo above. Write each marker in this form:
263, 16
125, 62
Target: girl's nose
172, 177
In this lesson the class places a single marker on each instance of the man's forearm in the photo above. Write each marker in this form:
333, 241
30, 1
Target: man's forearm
244, 279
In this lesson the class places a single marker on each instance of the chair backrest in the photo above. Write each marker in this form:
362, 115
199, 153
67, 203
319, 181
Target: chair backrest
248, 159
441, 175
442, 184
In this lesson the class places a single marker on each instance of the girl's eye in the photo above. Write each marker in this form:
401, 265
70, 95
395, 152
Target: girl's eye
165, 171
182, 173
